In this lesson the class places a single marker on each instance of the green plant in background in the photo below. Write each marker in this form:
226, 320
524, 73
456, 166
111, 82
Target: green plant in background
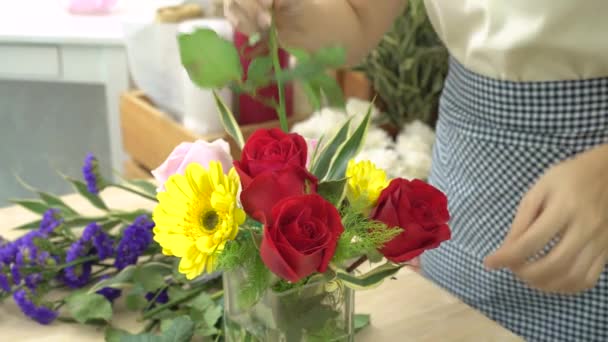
408, 68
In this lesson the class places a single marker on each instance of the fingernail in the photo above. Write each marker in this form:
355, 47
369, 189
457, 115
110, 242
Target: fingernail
264, 20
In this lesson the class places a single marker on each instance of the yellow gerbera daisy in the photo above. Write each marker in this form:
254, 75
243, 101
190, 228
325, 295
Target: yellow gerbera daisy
365, 183
197, 215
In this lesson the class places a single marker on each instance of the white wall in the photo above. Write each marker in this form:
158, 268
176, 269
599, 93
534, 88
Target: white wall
45, 126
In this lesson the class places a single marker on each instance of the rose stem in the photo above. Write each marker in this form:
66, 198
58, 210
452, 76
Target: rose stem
356, 264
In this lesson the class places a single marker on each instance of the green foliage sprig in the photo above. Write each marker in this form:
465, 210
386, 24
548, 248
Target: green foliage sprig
407, 69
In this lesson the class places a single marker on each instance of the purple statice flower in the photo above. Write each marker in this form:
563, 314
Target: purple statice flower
32, 280
27, 253
89, 231
77, 276
104, 245
109, 292
16, 274
102, 242
162, 298
90, 171
93, 241
135, 240
4, 284
8, 252
40, 314
50, 221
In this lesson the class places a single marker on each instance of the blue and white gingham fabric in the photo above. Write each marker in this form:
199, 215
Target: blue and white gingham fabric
494, 139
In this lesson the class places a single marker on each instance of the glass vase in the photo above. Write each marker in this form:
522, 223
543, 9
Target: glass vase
313, 312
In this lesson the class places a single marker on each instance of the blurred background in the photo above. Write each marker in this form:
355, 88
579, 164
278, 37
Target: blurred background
104, 76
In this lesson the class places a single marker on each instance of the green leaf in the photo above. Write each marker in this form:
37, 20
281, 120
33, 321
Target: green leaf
331, 89
333, 191
370, 279
321, 167
210, 60
361, 321
114, 335
89, 306
212, 315
259, 70
201, 302
313, 93
35, 206
207, 331
331, 57
181, 330
229, 122
51, 200
177, 293
56, 202
121, 280
300, 54
131, 216
165, 324
143, 185
135, 300
76, 222
349, 149
30, 225
151, 275
81, 187
109, 224
144, 337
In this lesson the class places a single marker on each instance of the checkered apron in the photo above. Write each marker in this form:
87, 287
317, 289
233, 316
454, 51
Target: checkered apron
494, 139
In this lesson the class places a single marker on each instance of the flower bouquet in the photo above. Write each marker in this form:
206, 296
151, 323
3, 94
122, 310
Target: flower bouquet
289, 223
267, 247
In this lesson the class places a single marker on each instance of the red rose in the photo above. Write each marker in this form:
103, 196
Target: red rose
270, 150
301, 237
268, 188
421, 210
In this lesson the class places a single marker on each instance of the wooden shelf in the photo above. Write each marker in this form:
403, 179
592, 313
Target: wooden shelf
149, 135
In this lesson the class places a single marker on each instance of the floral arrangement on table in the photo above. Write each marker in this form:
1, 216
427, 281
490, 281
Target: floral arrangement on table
267, 246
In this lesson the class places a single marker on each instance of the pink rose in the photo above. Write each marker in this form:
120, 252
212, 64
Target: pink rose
200, 151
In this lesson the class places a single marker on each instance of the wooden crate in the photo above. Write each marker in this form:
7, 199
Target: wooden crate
149, 135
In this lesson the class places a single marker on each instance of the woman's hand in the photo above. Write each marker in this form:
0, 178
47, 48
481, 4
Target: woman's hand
569, 202
251, 16
356, 25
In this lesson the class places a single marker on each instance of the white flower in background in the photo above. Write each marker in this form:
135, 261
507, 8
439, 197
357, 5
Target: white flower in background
406, 144
386, 159
419, 129
325, 122
377, 138
358, 107
415, 165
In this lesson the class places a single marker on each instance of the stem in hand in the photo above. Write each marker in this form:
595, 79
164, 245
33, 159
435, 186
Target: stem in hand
274, 51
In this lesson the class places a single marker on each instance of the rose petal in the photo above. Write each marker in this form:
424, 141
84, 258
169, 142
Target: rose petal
269, 188
275, 261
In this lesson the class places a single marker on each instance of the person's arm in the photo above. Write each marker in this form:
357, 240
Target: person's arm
356, 25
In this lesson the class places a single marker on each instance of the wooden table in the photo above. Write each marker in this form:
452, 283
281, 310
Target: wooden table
407, 309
